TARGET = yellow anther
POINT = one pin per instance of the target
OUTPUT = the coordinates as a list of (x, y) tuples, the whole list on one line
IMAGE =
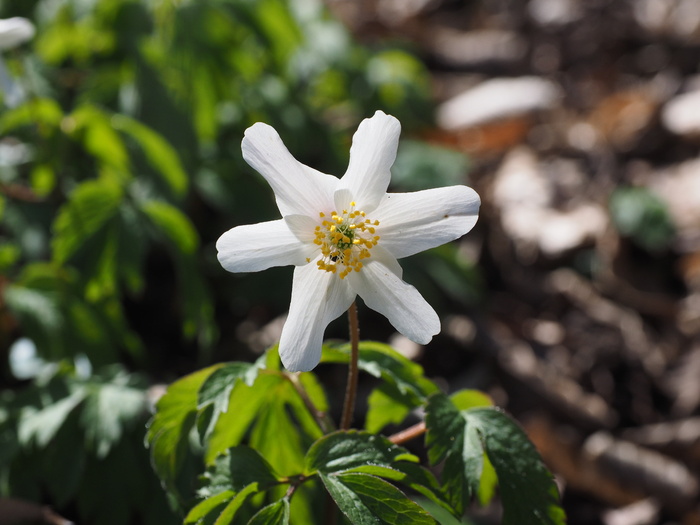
[(344, 241)]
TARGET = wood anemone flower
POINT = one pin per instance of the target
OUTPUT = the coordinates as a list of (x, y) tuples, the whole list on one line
[(344, 236)]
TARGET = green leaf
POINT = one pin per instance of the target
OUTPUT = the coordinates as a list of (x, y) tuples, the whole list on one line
[(270, 408), (367, 499), (460, 438), (234, 476), (41, 425), (466, 399), (159, 152), (274, 514), (93, 127), (386, 405), (108, 408), (236, 469), (169, 428), (528, 491), (42, 112), (173, 224), (412, 476), (232, 425), (89, 207), (344, 450), (229, 512), (382, 361), (209, 505), (217, 387)]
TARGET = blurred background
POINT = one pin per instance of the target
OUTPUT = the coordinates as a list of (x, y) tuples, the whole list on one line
[(575, 302)]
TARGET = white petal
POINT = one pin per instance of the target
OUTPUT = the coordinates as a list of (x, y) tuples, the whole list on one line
[(14, 31), (342, 199), (382, 290), (384, 256), (298, 188), (372, 153), (302, 226), (256, 247), (318, 297), (412, 222)]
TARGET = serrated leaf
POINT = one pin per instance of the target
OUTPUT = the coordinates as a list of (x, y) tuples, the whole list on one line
[(461, 438), (232, 425), (173, 224), (449, 439), (217, 387), (89, 207), (528, 491), (382, 361), (238, 468), (366, 499), (411, 475), (344, 450), (276, 513), (169, 428), (159, 152), (277, 420)]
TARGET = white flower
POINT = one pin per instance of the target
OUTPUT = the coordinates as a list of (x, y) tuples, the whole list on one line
[(14, 31), (344, 236)]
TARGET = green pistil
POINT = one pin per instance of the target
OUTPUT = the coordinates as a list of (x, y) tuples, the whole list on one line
[(347, 232)]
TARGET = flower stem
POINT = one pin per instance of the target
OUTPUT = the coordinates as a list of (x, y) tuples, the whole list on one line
[(351, 388)]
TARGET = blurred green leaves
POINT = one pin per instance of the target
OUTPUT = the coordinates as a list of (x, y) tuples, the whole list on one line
[(639, 214), (119, 171)]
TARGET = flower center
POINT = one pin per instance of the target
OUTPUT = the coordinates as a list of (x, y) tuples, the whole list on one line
[(345, 240)]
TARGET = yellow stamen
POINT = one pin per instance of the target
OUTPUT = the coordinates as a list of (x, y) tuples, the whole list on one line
[(344, 240)]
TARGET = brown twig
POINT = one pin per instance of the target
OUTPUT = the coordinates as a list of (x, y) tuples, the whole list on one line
[(408, 434)]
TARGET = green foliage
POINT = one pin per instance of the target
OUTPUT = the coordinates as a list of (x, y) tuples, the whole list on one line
[(465, 438), (265, 443), (125, 166), (642, 216), (61, 432)]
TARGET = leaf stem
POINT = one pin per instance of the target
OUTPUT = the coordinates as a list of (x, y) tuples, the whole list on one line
[(320, 416), (408, 434), (351, 388)]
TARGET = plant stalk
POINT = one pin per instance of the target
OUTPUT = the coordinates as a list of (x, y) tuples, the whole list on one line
[(351, 388)]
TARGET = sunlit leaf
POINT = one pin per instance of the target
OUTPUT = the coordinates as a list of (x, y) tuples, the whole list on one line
[(169, 428), (366, 499), (347, 450), (386, 405)]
